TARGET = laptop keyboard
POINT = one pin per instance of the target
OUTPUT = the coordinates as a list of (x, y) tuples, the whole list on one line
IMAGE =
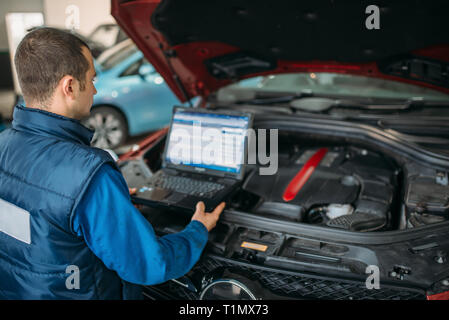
[(185, 185)]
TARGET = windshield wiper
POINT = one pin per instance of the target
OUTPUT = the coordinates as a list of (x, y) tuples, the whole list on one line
[(308, 101), (407, 105), (273, 98), (323, 104)]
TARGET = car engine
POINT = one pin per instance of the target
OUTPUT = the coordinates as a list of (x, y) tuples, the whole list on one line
[(350, 188)]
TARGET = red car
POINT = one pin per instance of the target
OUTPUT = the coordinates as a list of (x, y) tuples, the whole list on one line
[(359, 205)]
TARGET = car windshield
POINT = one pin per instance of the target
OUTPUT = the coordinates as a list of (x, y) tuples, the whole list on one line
[(117, 57), (331, 84)]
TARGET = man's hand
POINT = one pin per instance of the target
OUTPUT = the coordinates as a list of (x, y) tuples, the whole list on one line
[(208, 219)]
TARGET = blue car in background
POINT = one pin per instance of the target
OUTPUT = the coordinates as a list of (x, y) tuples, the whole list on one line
[(132, 97)]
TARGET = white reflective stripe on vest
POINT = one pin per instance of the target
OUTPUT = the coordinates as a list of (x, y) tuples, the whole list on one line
[(15, 221)]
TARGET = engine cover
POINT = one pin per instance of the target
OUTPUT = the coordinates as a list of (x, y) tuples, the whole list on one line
[(345, 177)]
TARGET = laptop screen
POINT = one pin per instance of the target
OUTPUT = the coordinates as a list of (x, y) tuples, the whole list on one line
[(207, 140)]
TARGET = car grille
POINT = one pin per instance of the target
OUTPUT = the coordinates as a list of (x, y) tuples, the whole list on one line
[(294, 285)]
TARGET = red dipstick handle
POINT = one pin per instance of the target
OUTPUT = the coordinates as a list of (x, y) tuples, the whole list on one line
[(303, 175)]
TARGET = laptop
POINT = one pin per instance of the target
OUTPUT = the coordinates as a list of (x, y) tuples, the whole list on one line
[(203, 160)]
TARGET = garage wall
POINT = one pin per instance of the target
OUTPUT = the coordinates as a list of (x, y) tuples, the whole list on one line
[(6, 7), (15, 6), (91, 13)]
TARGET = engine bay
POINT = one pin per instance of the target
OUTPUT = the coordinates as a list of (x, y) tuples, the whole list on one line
[(352, 187), (353, 199)]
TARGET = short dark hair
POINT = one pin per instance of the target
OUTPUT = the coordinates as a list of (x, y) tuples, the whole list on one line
[(44, 57)]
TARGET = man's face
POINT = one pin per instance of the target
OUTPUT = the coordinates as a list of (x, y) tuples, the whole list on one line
[(85, 97)]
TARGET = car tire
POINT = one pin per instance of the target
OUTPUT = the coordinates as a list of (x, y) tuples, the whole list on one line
[(111, 129)]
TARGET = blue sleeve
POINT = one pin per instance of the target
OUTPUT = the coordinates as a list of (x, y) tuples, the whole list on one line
[(125, 241)]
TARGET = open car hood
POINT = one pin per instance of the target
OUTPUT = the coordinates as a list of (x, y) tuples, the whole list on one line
[(200, 46)]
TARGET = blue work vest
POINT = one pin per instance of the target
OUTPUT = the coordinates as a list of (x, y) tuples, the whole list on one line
[(46, 164)]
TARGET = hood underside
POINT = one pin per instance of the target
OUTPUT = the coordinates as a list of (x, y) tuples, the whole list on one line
[(200, 46)]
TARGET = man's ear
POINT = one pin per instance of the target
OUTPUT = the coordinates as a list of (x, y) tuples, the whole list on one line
[(67, 85)]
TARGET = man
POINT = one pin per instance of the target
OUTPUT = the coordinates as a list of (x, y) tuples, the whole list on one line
[(68, 229)]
